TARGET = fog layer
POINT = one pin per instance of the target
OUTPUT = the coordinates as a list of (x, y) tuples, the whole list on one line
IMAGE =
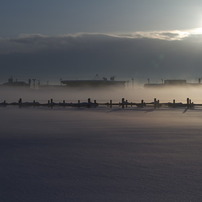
[(131, 93), (93, 155)]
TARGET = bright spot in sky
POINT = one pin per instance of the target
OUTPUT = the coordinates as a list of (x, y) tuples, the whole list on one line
[(186, 33), (197, 31)]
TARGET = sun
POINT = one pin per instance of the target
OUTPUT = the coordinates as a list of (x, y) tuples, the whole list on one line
[(197, 31)]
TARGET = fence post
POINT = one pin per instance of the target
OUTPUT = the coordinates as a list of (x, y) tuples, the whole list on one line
[(20, 101), (174, 103), (89, 103), (122, 103), (110, 105), (79, 102), (142, 103), (188, 103), (154, 103)]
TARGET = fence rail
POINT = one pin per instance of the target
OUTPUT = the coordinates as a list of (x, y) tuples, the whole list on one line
[(89, 104)]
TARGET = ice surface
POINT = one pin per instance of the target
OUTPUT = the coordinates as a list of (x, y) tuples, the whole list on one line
[(100, 155)]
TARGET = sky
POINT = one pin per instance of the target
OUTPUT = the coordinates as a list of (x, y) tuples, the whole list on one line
[(57, 17), (74, 38)]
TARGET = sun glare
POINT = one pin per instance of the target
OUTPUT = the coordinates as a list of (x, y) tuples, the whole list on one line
[(197, 31)]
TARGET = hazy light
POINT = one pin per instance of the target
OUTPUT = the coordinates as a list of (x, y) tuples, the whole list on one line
[(197, 31)]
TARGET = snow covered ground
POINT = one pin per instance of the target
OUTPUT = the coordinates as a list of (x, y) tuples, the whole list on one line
[(82, 155)]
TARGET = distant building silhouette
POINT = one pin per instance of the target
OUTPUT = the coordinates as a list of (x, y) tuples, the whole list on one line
[(94, 83), (173, 82), (15, 83)]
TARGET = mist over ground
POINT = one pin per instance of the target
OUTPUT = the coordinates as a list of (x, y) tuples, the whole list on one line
[(53, 152), (100, 155), (131, 93)]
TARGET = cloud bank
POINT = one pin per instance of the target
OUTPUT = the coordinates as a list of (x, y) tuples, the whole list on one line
[(166, 54)]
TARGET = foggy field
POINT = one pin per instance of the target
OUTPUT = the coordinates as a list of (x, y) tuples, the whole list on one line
[(77, 123), (100, 155), (132, 94)]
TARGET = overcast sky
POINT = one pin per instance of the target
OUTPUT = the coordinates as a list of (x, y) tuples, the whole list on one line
[(56, 17), (80, 38)]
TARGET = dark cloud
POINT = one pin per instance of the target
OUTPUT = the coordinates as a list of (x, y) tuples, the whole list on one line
[(84, 55)]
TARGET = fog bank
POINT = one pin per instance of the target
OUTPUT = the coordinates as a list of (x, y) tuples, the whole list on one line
[(93, 155), (131, 93)]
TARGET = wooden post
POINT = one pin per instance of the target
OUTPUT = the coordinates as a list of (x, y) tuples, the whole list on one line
[(95, 102), (89, 103), (188, 103), (158, 104), (126, 103), (142, 103), (63, 103), (110, 105), (20, 101), (122, 103), (155, 103), (79, 102), (173, 103)]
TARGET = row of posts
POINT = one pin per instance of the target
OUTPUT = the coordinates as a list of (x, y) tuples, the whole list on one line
[(124, 103)]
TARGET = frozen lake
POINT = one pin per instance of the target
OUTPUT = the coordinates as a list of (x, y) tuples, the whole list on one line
[(100, 155)]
